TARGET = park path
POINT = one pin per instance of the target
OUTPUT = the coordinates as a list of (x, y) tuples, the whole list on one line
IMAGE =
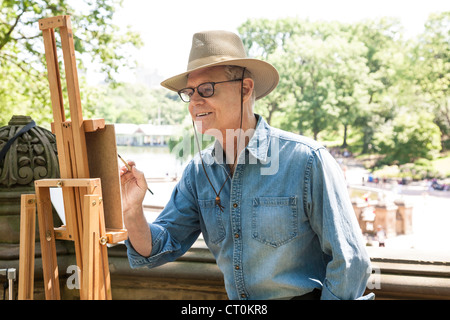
[(431, 210)]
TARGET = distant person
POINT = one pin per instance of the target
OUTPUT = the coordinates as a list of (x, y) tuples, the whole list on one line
[(272, 206), (346, 153), (381, 236)]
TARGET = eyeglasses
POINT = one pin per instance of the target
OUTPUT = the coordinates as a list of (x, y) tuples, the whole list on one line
[(205, 90)]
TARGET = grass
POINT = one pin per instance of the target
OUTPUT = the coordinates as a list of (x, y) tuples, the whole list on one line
[(442, 165), (421, 169)]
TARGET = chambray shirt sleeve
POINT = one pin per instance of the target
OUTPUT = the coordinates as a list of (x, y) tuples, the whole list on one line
[(332, 218), (173, 232)]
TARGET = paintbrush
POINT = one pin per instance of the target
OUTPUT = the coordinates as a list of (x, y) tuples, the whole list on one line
[(129, 169)]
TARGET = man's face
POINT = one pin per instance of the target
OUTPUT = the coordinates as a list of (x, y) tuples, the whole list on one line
[(222, 110)]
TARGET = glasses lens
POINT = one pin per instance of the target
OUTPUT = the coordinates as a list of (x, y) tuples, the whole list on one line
[(206, 89), (185, 94)]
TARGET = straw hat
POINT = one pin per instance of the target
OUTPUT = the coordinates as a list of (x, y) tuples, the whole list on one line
[(220, 48)]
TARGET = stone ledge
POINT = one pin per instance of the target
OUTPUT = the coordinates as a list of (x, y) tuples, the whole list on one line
[(399, 274), (403, 287)]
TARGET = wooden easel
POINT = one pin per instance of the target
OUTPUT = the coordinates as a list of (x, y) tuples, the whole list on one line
[(84, 203)]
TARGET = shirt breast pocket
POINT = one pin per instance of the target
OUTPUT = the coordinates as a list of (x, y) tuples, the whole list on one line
[(274, 220), (213, 220)]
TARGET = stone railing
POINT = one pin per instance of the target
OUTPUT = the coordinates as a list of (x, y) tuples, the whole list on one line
[(396, 274), (409, 274), (393, 215)]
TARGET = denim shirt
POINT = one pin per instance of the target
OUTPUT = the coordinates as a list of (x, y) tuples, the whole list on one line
[(288, 225)]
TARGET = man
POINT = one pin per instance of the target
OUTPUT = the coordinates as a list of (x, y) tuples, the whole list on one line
[(272, 206)]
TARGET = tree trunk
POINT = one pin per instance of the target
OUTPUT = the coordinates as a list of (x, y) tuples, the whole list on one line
[(344, 143)]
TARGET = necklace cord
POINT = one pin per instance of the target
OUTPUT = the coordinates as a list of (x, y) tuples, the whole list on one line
[(221, 207)]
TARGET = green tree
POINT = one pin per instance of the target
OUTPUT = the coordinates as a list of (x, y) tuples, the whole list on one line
[(361, 78), (23, 79), (137, 103), (262, 38), (431, 60), (410, 137), (385, 60), (306, 62), (333, 75), (322, 71)]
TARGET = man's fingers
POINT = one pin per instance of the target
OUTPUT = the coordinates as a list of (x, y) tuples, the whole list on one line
[(124, 169), (131, 163), (134, 174)]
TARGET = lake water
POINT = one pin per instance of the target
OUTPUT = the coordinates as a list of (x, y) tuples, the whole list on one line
[(155, 162)]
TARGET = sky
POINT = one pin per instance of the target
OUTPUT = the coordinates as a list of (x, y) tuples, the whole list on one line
[(166, 27)]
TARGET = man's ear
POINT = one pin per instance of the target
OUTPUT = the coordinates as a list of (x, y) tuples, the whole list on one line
[(248, 87)]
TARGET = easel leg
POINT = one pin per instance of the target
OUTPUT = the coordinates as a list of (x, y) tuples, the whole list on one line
[(105, 281), (27, 238), (91, 243), (48, 246)]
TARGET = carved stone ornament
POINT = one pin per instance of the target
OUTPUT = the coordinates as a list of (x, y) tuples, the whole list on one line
[(32, 156)]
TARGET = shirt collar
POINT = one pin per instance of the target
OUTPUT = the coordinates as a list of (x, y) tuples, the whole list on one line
[(259, 143), (258, 146)]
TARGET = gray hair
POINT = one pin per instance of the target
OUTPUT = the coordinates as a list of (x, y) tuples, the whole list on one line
[(235, 72)]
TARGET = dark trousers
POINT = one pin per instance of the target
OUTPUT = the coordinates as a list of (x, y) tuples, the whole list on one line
[(313, 295)]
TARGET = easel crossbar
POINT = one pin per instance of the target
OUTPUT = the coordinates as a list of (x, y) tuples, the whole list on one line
[(112, 236), (90, 182)]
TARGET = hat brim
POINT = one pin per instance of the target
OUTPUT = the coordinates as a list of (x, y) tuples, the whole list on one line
[(264, 75)]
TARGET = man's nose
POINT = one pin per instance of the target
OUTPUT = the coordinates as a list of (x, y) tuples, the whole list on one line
[(196, 103), (196, 96)]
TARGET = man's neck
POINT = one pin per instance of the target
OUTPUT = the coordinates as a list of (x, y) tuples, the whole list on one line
[(237, 140)]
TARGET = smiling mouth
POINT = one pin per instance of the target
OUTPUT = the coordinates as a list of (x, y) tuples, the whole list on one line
[(202, 114)]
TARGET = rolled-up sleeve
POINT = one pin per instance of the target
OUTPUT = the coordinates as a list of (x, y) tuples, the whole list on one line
[(333, 220), (173, 232)]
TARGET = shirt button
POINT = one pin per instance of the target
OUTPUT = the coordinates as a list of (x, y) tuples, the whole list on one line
[(243, 295), (236, 235), (237, 267), (235, 205)]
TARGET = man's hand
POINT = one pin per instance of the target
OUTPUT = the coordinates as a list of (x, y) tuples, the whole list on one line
[(134, 187)]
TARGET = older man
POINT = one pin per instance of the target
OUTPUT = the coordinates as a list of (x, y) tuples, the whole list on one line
[(272, 206)]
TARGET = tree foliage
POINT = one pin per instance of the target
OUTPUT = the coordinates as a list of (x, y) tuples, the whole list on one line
[(410, 136), (136, 103), (432, 61), (362, 79), (23, 79), (362, 85)]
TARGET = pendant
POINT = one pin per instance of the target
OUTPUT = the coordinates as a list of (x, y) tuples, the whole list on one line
[(219, 204)]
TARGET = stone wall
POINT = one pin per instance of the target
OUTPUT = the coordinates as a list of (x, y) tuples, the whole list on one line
[(195, 276)]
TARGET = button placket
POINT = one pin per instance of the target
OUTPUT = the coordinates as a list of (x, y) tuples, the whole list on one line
[(235, 198)]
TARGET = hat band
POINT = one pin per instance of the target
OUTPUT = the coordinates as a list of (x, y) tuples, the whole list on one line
[(209, 60)]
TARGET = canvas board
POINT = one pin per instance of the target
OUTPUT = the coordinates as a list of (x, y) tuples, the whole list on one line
[(103, 163)]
